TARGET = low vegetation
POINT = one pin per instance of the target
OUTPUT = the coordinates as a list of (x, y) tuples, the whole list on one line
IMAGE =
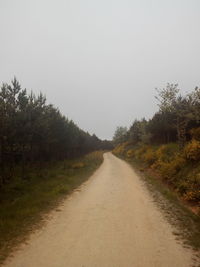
[(24, 201)]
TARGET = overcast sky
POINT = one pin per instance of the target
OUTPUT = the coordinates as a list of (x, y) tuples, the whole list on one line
[(100, 61)]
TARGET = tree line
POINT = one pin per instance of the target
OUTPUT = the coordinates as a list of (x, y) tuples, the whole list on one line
[(173, 122), (32, 131)]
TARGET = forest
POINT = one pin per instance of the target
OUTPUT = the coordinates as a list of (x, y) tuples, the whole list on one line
[(169, 142), (33, 132)]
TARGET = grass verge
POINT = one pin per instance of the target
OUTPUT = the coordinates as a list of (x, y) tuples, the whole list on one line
[(23, 203)]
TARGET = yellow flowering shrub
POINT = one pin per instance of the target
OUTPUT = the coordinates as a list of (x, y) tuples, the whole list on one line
[(192, 187), (166, 152), (192, 150), (139, 153), (118, 150), (168, 166), (161, 152), (121, 149), (150, 156), (171, 168), (130, 153), (157, 164)]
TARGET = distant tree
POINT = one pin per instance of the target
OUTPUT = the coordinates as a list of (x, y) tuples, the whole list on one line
[(120, 135), (138, 132), (174, 106), (176, 116), (162, 127), (166, 97)]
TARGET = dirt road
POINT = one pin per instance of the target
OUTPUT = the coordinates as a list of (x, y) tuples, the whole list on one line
[(110, 221)]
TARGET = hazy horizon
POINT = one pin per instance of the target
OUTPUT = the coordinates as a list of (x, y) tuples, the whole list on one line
[(99, 62)]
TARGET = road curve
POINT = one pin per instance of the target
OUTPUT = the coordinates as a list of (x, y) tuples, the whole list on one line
[(110, 221)]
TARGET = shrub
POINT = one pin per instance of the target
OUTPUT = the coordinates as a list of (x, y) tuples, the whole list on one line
[(189, 187), (183, 186), (157, 164), (130, 153), (167, 152), (193, 195), (169, 169), (192, 150), (117, 150), (150, 156), (195, 133), (121, 149), (140, 152)]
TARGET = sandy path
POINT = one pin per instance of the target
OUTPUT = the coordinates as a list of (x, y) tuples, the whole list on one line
[(111, 221)]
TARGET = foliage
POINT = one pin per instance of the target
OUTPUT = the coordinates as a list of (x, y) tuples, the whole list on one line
[(192, 196), (190, 186), (169, 142), (173, 122), (169, 169), (120, 135), (150, 156), (195, 133), (130, 153), (167, 152), (32, 131), (192, 150), (140, 152), (167, 96), (121, 149)]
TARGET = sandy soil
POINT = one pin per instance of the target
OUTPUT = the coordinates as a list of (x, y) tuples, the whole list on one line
[(110, 221)]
